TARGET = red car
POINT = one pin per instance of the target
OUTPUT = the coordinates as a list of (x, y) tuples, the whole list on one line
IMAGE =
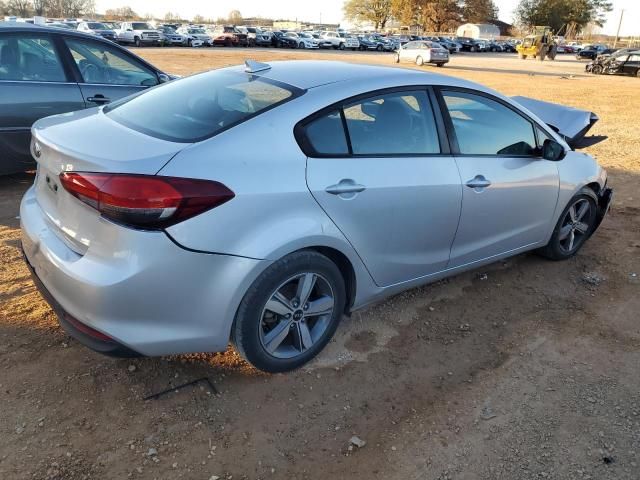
[(229, 36)]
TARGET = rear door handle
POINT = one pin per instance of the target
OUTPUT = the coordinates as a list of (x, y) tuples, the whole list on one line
[(478, 183), (99, 99), (345, 187)]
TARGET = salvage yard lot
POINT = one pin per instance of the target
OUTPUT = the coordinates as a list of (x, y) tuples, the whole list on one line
[(525, 369)]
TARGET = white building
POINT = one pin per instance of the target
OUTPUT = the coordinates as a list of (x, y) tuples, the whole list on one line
[(478, 30)]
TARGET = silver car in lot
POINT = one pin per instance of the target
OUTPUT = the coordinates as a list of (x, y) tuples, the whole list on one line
[(421, 52), (261, 204)]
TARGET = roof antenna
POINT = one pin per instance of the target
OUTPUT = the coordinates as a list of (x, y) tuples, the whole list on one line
[(255, 67)]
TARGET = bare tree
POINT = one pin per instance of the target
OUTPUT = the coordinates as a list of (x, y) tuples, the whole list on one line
[(20, 8), (40, 7)]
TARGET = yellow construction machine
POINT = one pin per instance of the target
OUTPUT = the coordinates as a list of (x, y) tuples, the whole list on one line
[(540, 44)]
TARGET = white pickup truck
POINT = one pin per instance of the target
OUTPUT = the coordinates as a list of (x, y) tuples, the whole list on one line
[(138, 33), (340, 40)]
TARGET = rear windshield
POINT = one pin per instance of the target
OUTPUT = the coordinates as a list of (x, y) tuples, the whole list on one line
[(198, 107)]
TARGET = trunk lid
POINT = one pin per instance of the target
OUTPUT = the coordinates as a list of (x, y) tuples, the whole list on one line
[(87, 141)]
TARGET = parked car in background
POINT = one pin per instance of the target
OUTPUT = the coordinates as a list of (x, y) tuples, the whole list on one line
[(256, 36), (229, 36), (593, 51), (170, 37), (340, 40), (508, 47), (470, 44), (193, 199), (387, 44), (423, 51), (453, 47), (138, 33), (370, 43), (493, 46), (280, 40), (303, 40), (97, 28), (60, 25), (48, 70), (196, 34)]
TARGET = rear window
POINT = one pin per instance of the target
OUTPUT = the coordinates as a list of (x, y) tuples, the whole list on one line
[(198, 107)]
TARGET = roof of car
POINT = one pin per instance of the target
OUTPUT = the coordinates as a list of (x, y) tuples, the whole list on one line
[(307, 74), (29, 27)]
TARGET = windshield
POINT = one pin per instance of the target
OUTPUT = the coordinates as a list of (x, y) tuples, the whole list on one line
[(304, 35), (140, 26), (196, 30), (96, 26), (198, 107)]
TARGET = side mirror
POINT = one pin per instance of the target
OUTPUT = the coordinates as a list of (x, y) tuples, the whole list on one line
[(164, 78), (552, 150)]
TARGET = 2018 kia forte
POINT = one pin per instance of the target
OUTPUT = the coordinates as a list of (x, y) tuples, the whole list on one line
[(260, 204)]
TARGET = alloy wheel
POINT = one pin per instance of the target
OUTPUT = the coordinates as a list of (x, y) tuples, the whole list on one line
[(575, 226), (296, 315)]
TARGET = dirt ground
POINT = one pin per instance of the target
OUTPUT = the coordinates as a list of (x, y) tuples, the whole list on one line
[(527, 369)]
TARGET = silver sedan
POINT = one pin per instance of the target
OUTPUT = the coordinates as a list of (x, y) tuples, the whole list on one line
[(260, 204)]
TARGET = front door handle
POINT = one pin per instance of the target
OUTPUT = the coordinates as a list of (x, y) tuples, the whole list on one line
[(99, 99), (346, 188), (478, 183)]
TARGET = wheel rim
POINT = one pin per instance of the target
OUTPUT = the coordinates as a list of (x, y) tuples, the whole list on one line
[(575, 226), (297, 315)]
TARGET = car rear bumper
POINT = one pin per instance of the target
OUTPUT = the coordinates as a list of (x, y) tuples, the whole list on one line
[(136, 291)]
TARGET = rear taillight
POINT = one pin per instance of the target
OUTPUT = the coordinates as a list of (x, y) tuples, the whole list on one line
[(145, 201)]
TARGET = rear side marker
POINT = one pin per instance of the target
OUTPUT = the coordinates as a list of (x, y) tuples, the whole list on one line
[(146, 202)]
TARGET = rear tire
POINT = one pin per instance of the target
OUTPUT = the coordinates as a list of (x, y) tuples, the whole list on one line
[(282, 281), (574, 226), (439, 64), (397, 58)]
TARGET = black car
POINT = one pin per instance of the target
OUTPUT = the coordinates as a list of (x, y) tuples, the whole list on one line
[(278, 39), (624, 62), (48, 70), (592, 52), (470, 44)]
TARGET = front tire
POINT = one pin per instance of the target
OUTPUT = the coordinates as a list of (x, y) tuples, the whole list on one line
[(290, 312), (397, 58), (574, 227), (341, 46), (137, 42), (419, 61)]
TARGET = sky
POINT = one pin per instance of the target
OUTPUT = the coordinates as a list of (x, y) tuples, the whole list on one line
[(329, 11)]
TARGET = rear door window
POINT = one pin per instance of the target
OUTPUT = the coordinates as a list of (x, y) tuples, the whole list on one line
[(29, 57), (393, 124), (198, 107)]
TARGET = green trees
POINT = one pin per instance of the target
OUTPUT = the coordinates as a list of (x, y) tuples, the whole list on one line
[(570, 14), (376, 12)]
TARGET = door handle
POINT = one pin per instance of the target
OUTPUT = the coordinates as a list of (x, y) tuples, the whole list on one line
[(99, 99), (344, 187), (478, 183)]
